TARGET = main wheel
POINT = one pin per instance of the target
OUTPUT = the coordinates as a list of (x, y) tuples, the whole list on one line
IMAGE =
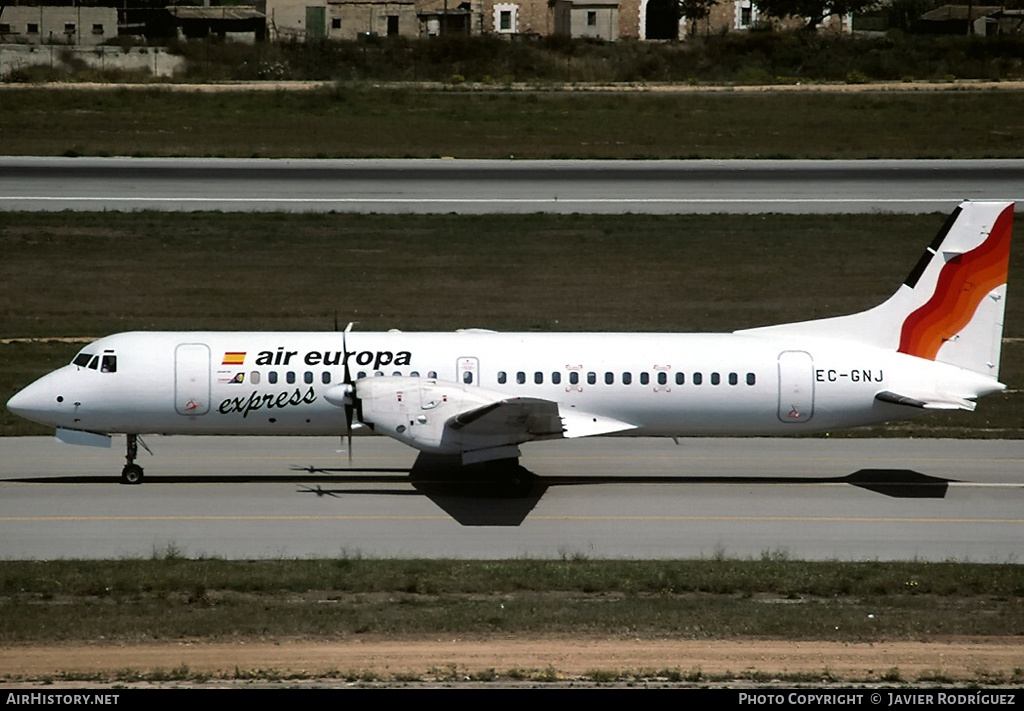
[(131, 474)]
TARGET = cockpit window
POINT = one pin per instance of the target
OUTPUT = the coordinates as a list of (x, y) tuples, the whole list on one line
[(106, 363)]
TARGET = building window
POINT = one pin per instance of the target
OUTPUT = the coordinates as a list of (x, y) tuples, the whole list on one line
[(69, 28), (745, 14), (591, 18), (506, 18), (33, 28), (5, 29), (335, 23), (97, 29)]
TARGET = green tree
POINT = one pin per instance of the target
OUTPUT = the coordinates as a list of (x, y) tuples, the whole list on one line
[(814, 11), (694, 11)]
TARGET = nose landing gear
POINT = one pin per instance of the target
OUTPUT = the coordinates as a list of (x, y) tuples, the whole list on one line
[(132, 472)]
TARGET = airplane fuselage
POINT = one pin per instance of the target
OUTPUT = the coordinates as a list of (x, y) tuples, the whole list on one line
[(662, 384)]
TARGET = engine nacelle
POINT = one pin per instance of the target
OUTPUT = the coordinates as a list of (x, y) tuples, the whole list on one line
[(417, 411)]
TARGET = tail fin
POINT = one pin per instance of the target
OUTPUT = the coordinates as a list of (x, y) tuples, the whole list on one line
[(950, 308)]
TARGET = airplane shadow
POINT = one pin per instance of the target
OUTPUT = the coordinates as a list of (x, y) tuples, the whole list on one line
[(503, 493)]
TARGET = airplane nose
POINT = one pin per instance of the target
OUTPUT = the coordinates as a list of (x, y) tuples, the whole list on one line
[(35, 402), (21, 403)]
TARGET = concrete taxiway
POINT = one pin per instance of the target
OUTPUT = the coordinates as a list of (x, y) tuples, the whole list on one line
[(505, 186), (845, 499)]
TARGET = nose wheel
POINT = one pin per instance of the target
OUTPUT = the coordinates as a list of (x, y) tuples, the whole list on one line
[(132, 472)]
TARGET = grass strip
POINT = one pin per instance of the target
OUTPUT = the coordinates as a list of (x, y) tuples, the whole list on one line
[(169, 597), (360, 121)]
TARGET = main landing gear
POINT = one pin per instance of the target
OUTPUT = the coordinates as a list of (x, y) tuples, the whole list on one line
[(132, 472)]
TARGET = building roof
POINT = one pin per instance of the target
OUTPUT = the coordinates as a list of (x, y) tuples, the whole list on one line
[(961, 12), (234, 12)]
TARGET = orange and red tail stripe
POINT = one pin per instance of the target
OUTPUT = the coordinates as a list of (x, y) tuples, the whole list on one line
[(963, 282)]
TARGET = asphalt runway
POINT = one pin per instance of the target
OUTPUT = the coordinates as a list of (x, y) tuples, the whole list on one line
[(491, 186), (243, 498)]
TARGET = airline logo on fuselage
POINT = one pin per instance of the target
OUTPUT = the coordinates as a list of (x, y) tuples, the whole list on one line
[(371, 359)]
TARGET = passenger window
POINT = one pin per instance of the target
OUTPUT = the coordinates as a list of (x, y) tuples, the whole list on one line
[(360, 375), (109, 364), (325, 377), (307, 377), (414, 374), (538, 378), (698, 378), (680, 378), (272, 377), (574, 378), (502, 377), (591, 378), (290, 377), (467, 377), (254, 377), (627, 378), (733, 379), (716, 378), (397, 374), (609, 378), (521, 377), (751, 379), (432, 374), (662, 378), (645, 378), (556, 378)]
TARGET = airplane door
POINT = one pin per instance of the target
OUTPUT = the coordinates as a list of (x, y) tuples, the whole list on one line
[(192, 379), (468, 371), (796, 386)]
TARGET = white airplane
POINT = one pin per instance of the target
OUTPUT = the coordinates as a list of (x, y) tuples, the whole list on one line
[(479, 394)]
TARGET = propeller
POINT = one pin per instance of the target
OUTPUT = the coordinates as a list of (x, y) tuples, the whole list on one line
[(350, 386)]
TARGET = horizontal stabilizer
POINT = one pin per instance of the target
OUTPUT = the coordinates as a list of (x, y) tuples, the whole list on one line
[(949, 403)]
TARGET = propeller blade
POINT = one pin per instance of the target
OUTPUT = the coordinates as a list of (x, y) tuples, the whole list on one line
[(351, 386)]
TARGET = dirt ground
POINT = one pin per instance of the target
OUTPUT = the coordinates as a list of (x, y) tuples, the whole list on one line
[(987, 660)]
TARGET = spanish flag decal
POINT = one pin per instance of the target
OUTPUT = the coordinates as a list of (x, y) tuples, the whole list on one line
[(234, 358)]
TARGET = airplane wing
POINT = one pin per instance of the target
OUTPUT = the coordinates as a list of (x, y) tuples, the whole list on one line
[(453, 418), (534, 418)]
